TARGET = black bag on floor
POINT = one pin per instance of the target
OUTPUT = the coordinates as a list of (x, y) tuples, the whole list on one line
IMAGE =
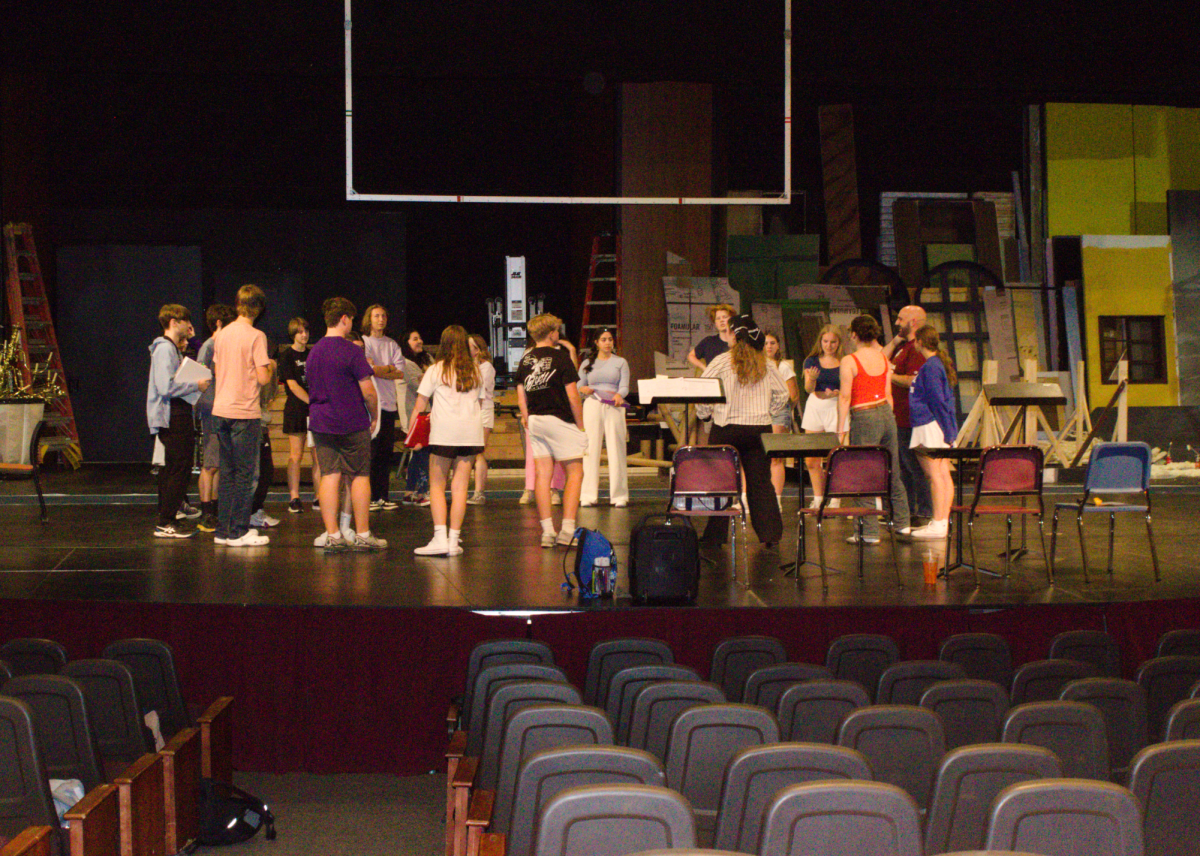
[(229, 815), (664, 560)]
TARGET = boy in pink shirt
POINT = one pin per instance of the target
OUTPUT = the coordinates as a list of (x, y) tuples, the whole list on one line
[(241, 366)]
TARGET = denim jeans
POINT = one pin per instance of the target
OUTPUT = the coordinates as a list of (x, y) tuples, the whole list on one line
[(916, 486), (239, 440), (877, 427)]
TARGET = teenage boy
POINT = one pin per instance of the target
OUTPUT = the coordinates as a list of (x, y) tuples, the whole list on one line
[(169, 415), (217, 316), (343, 409), (552, 415), (242, 367)]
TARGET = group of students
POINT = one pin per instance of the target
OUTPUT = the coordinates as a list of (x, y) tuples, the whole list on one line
[(341, 403), (853, 381)]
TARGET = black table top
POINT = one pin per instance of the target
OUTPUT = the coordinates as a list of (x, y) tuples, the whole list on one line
[(786, 445), (1017, 394)]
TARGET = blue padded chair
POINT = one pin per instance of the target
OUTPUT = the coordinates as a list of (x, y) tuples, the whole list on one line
[(1115, 469)]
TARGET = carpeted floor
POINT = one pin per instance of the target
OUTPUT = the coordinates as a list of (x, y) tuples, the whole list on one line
[(355, 815)]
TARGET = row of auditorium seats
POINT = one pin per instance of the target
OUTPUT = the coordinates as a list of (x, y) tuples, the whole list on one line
[(1091, 727), (85, 720)]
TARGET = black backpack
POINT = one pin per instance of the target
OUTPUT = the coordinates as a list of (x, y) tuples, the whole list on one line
[(229, 815)]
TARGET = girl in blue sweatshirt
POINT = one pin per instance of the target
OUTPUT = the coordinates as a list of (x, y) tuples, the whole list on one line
[(934, 426)]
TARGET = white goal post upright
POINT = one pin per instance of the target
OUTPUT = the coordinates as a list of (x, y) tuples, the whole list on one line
[(785, 198)]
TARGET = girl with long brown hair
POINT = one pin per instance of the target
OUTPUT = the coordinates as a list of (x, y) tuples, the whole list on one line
[(935, 426), (454, 387)]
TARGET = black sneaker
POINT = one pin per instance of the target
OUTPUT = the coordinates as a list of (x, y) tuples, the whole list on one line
[(294, 507), (179, 529), (208, 523)]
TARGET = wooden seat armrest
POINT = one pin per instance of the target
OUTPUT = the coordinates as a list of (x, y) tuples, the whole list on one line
[(480, 812), (93, 798), (464, 776), (32, 840), (492, 844), (452, 717), (457, 745), (215, 710)]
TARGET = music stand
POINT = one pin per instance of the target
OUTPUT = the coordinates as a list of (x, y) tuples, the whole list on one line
[(816, 444), (958, 454), (671, 391)]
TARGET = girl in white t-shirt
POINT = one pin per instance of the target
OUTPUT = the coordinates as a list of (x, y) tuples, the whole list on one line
[(781, 423), (454, 388)]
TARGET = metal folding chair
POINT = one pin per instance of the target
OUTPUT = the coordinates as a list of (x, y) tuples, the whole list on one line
[(855, 472), (708, 481), (1011, 472), (1114, 469)]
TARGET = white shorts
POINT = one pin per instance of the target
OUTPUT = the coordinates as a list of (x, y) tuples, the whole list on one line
[(488, 416), (928, 435), (550, 437), (820, 414)]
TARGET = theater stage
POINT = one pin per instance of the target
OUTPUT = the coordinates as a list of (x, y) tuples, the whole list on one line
[(343, 663)]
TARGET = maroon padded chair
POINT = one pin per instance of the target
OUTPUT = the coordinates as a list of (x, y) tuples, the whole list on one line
[(1008, 472), (706, 481), (854, 472)]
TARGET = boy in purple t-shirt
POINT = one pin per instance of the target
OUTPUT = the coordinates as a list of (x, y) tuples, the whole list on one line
[(342, 411)]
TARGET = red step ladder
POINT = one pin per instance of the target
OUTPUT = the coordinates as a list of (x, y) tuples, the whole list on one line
[(29, 315), (603, 289)]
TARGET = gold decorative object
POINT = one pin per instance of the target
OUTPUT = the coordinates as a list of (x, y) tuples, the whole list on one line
[(44, 381)]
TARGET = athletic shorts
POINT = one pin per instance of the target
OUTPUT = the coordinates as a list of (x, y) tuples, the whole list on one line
[(349, 454), (820, 414), (453, 452), (295, 419), (551, 437), (210, 451)]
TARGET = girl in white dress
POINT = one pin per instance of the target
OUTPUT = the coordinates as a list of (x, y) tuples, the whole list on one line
[(781, 423), (487, 412)]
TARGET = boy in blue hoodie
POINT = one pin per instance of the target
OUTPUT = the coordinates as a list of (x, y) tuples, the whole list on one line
[(169, 414)]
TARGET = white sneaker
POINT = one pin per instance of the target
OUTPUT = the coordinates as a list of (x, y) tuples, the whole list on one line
[(187, 511), (261, 520), (348, 534), (367, 542), (587, 503), (620, 503), (564, 538), (556, 497), (477, 498), (834, 503), (549, 539), (526, 498), (436, 547), (815, 502), (321, 539), (250, 539), (934, 530)]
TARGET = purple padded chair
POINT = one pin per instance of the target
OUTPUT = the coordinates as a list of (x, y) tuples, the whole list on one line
[(855, 472), (709, 481)]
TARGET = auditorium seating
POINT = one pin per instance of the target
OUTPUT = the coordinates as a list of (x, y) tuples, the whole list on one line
[(944, 754), (612, 656), (47, 728)]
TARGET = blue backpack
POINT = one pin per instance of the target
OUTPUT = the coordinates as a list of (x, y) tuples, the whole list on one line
[(594, 579)]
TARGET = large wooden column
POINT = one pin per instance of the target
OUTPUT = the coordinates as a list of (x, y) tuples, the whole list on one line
[(666, 150)]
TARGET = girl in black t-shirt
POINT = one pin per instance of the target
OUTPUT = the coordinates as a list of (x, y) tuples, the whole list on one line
[(295, 409)]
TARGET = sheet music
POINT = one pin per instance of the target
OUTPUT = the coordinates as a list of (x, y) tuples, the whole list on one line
[(190, 371), (678, 387)]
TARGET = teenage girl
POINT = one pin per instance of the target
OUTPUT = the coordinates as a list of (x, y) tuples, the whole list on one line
[(487, 411), (822, 380), (935, 426), (781, 423)]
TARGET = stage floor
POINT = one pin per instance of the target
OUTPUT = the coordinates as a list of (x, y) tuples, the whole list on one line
[(98, 546)]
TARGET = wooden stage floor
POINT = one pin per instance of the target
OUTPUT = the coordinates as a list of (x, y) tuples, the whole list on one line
[(98, 546)]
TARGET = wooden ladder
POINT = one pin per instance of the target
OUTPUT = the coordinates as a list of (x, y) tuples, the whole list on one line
[(603, 289), (29, 314)]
